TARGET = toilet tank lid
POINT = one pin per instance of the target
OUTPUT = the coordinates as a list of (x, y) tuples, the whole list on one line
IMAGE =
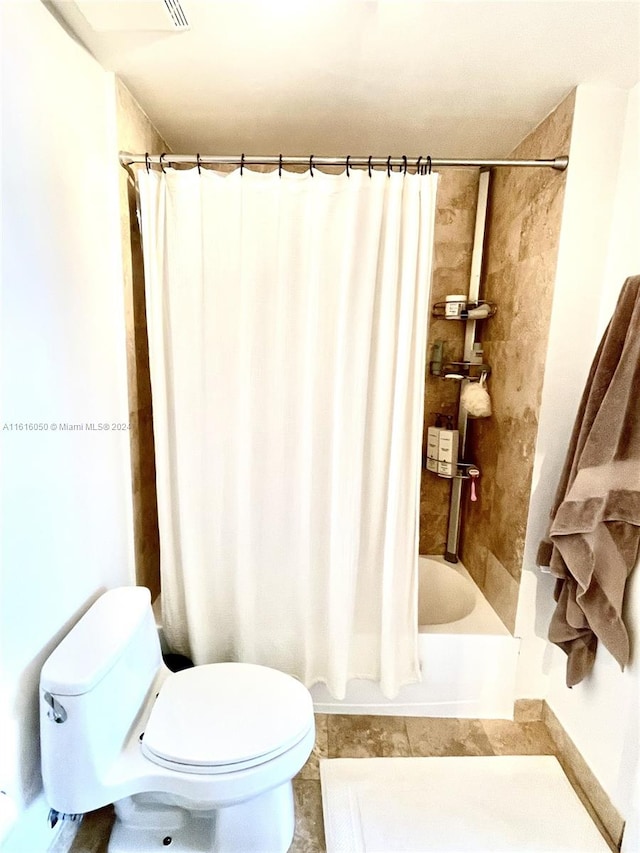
[(96, 642)]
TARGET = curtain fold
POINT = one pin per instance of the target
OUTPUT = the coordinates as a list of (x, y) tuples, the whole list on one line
[(287, 323)]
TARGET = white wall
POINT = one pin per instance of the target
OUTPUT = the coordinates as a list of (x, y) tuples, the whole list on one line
[(599, 248), (67, 532)]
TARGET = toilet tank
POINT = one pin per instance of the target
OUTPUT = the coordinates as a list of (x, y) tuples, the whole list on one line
[(92, 688)]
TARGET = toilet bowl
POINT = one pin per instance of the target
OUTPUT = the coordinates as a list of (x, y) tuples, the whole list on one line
[(200, 759)]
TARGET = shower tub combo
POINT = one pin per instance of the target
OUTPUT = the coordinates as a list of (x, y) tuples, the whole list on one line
[(467, 656)]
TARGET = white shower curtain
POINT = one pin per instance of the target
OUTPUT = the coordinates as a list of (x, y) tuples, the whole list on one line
[(287, 325)]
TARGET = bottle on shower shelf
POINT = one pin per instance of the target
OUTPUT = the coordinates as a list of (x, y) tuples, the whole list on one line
[(448, 441), (433, 441)]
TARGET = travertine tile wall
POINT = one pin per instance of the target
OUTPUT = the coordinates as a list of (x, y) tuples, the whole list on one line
[(137, 134), (453, 243), (518, 274)]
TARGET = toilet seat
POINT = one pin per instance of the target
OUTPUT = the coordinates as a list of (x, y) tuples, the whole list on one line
[(224, 717)]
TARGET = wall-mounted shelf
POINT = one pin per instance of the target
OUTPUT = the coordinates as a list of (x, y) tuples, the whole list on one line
[(462, 313), (459, 370)]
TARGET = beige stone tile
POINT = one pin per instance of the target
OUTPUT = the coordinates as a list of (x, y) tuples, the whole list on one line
[(355, 736), (434, 514), (456, 225), (445, 280), (309, 831), (311, 770), (499, 288), (93, 835), (518, 275), (528, 710), (583, 779), (509, 501), (457, 188), (136, 133), (618, 828), (541, 219), (504, 228), (552, 134), (474, 558), (429, 736), (501, 591), (511, 738), (453, 254), (514, 390)]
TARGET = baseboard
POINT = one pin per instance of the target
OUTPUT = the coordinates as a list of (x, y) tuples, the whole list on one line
[(583, 779), (594, 797), (528, 710)]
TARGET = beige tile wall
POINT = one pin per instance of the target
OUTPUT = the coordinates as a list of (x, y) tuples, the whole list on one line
[(453, 242), (521, 247), (137, 134)]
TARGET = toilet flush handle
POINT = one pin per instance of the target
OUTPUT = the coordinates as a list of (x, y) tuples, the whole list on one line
[(57, 712)]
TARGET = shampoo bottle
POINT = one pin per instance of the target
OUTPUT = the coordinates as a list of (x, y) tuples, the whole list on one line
[(448, 451), (433, 442)]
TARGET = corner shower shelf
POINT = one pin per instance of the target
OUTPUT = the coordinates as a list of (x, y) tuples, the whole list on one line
[(459, 370), (439, 309)]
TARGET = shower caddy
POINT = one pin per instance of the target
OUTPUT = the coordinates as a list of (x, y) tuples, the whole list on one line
[(470, 369)]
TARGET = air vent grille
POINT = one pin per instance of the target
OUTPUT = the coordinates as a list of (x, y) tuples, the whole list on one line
[(177, 15), (132, 15)]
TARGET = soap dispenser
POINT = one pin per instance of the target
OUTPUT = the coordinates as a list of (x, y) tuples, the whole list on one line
[(448, 440), (433, 442)]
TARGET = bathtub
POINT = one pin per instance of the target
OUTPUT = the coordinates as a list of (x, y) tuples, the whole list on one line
[(467, 656)]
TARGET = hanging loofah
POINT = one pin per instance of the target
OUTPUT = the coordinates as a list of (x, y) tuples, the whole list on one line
[(475, 399)]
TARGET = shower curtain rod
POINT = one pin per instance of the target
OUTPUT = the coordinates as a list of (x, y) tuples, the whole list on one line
[(127, 159)]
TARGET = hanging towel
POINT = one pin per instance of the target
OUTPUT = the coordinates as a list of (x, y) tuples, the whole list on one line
[(595, 521)]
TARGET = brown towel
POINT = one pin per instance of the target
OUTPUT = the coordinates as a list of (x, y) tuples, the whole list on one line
[(595, 527)]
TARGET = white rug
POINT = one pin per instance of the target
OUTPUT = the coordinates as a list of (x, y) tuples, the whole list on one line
[(492, 804)]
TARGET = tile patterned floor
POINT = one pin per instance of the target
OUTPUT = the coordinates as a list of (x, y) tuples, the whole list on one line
[(352, 736)]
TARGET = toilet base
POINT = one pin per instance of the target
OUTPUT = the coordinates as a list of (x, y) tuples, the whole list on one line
[(263, 824)]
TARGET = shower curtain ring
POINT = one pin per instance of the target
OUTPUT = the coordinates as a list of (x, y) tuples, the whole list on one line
[(241, 164), (164, 171), (404, 157), (369, 167), (389, 166), (311, 165), (146, 161), (418, 172), (348, 158), (428, 165), (198, 164), (280, 167)]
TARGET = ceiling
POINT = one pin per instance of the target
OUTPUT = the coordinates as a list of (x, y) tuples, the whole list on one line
[(448, 78)]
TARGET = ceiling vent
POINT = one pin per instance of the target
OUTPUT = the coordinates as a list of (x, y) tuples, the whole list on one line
[(177, 15), (134, 15)]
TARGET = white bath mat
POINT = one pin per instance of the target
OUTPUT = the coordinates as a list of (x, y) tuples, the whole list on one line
[(485, 804)]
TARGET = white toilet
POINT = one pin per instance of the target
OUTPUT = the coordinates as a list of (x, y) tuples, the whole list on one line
[(199, 760)]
